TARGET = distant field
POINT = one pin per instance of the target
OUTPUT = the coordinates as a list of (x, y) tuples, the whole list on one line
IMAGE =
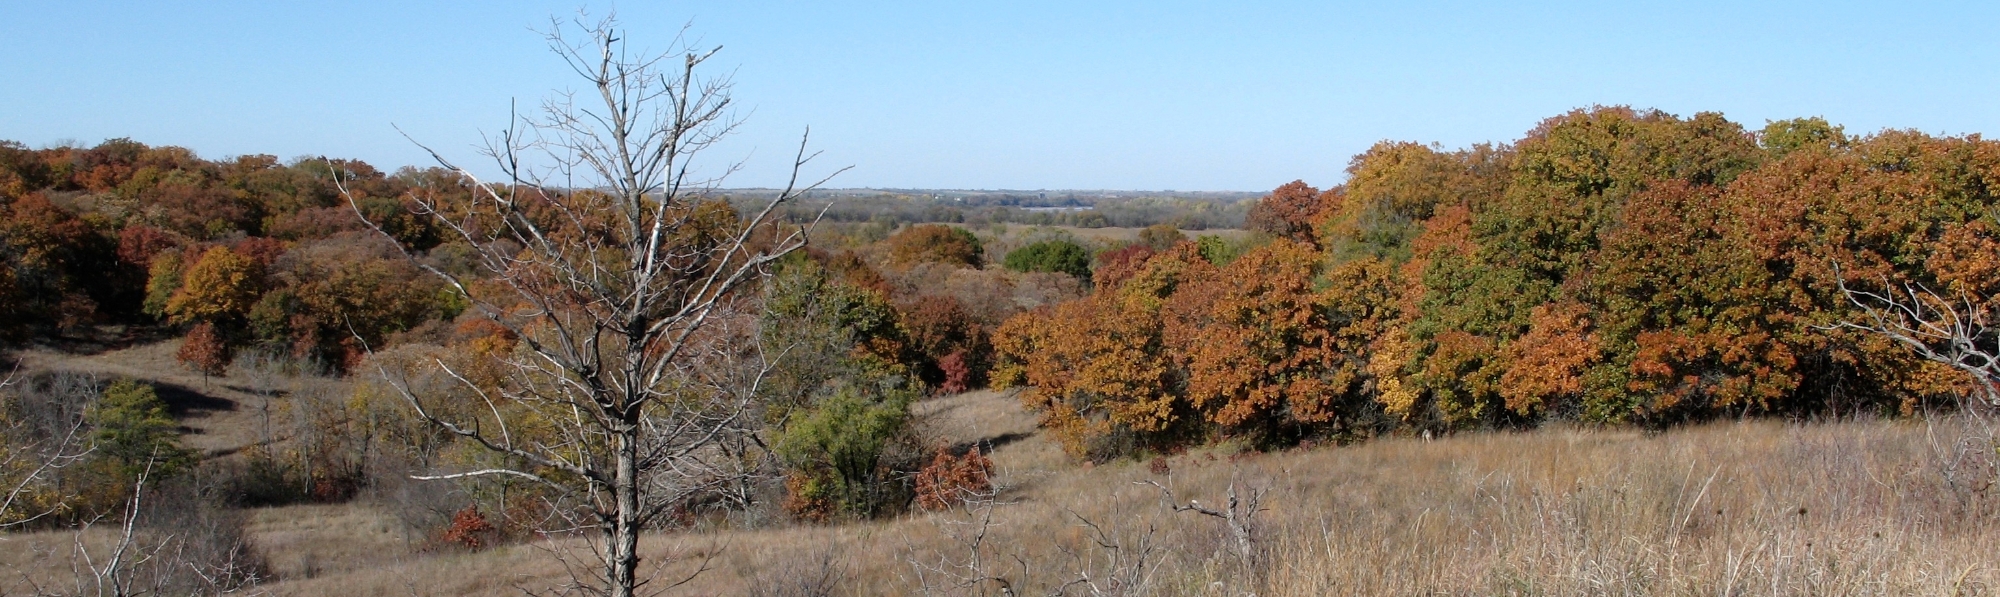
[(1123, 234)]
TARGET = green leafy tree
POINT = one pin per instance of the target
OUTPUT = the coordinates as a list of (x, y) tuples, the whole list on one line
[(1781, 137), (164, 278), (1057, 256), (838, 445)]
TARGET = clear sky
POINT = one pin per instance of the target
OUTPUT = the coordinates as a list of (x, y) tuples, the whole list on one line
[(1017, 94)]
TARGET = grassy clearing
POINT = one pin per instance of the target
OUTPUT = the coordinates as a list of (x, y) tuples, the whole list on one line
[(219, 414)]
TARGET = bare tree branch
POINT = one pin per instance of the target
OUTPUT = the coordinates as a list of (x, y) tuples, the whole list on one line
[(601, 251)]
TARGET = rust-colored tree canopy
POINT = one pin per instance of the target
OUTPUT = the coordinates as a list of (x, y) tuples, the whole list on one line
[(1613, 266)]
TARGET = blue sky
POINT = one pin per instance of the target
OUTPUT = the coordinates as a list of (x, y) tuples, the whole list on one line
[(1020, 95)]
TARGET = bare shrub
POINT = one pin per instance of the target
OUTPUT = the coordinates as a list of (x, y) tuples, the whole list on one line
[(818, 573), (43, 433), (203, 542)]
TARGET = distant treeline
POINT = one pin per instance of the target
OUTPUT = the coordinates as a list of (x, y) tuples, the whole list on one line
[(1187, 211)]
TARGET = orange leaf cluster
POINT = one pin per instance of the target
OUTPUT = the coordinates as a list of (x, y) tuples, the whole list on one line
[(470, 529), (947, 481)]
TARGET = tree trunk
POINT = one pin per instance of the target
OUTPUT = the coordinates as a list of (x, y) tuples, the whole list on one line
[(625, 519)]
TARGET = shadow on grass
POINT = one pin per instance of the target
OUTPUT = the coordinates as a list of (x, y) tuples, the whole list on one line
[(988, 445), (102, 339), (185, 402)]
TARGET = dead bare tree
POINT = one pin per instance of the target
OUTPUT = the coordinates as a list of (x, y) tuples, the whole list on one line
[(1954, 331), (599, 252), (1239, 513), (1957, 332)]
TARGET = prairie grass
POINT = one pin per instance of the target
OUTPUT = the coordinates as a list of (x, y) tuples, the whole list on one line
[(1732, 508), (1856, 507)]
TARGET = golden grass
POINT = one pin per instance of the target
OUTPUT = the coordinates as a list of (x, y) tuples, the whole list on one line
[(225, 415), (1738, 508), (307, 541)]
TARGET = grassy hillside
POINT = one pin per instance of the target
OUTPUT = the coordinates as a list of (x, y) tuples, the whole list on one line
[(1763, 507)]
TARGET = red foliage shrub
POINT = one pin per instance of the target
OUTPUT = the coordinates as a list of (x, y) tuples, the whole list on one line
[(1290, 211), (957, 376), (807, 498), (262, 250), (939, 326), (1115, 267), (948, 481), (470, 529), (138, 243), (204, 351)]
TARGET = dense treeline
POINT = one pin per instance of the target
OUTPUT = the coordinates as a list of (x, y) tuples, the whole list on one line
[(1613, 266), (266, 270), (246, 251)]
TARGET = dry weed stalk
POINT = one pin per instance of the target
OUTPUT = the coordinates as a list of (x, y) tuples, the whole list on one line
[(1238, 513), (139, 562), (1108, 562)]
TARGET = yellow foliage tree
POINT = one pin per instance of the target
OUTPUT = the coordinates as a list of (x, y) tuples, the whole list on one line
[(220, 285)]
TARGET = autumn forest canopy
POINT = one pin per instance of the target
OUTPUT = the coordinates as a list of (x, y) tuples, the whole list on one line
[(1612, 266)]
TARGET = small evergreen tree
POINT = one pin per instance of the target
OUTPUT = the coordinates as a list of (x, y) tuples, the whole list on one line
[(135, 435)]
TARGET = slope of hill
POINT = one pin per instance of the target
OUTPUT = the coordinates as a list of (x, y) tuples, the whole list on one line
[(1762, 507)]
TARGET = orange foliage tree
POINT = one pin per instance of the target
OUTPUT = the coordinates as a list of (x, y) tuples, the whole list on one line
[(936, 243), (1263, 347), (204, 351), (1290, 211), (220, 286), (1616, 265)]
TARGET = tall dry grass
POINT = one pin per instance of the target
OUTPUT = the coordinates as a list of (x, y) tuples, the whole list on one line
[(1885, 507), (1736, 508)]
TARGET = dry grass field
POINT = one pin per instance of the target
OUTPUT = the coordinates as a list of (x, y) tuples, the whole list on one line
[(1003, 238), (217, 414), (1871, 507)]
